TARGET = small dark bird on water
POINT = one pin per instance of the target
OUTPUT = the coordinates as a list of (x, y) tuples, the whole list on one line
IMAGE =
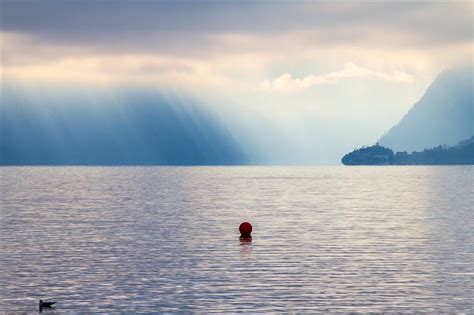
[(43, 304)]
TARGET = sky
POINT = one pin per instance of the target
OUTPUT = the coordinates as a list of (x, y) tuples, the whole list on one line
[(329, 75)]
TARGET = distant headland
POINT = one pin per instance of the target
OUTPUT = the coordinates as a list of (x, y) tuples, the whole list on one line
[(437, 130), (460, 154)]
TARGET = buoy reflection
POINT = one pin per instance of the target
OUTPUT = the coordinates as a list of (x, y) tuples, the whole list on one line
[(245, 246)]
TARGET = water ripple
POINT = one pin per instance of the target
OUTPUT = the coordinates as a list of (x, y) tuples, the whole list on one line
[(165, 239)]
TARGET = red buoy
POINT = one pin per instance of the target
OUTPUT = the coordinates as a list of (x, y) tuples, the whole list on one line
[(245, 229)]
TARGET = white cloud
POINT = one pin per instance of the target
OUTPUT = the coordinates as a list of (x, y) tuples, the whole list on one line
[(287, 83)]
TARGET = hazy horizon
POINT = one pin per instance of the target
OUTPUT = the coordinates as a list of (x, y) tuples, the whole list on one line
[(287, 83)]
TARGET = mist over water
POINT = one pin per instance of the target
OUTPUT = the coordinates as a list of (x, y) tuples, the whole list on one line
[(157, 239), (128, 126), (54, 124)]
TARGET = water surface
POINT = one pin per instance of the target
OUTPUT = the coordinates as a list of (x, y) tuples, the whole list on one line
[(165, 239)]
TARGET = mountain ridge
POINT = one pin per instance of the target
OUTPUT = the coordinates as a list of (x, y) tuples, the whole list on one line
[(133, 127), (443, 115)]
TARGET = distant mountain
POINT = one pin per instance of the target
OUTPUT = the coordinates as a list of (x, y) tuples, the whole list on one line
[(444, 115), (138, 127), (460, 154)]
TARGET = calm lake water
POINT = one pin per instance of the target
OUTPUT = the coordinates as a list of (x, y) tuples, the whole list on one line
[(165, 239)]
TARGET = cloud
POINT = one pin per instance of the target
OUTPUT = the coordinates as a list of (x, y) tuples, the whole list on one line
[(231, 54), (191, 28), (287, 83), (237, 44), (231, 42)]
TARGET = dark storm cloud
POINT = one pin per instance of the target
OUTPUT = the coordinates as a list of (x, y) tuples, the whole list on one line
[(180, 26)]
